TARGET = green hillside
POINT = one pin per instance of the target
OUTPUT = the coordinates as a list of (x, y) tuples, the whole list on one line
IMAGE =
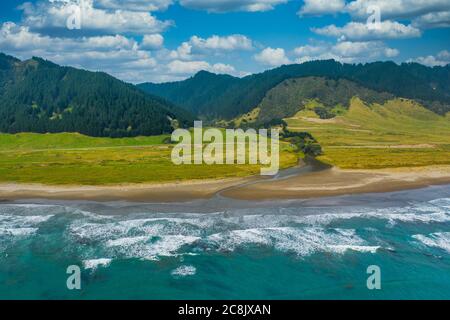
[(224, 97), (40, 96), (330, 96), (398, 133)]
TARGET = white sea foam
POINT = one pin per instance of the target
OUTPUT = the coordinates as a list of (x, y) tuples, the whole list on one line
[(17, 232), (93, 264), (138, 238), (167, 246), (423, 214), (439, 240), (443, 202), (184, 271), (302, 242), (288, 231), (125, 242), (20, 225)]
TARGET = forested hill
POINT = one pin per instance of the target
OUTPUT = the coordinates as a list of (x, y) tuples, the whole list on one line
[(220, 96), (39, 96)]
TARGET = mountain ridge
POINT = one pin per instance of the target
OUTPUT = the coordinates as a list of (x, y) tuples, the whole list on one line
[(227, 97)]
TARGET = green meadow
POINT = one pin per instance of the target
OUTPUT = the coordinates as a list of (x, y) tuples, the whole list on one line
[(400, 133), (74, 159)]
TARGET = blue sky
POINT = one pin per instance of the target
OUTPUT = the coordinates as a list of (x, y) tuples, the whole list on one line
[(167, 40)]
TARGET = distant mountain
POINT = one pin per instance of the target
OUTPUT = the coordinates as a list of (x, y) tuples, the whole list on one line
[(39, 96), (220, 96)]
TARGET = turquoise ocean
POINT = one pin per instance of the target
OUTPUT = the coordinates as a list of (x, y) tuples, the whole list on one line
[(226, 249)]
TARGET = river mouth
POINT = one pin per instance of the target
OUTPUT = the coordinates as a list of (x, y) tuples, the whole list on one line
[(307, 165)]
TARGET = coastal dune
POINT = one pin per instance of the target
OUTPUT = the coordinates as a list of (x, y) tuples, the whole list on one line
[(329, 182)]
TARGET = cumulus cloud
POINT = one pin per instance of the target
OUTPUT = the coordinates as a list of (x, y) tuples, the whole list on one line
[(441, 59), (232, 5), (227, 43), (397, 8), (152, 42), (44, 15), (321, 7), (421, 13), (135, 5), (197, 46), (346, 51), (433, 20), (272, 57), (190, 67), (117, 55), (361, 31)]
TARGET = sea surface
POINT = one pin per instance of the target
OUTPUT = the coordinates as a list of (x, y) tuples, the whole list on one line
[(226, 249)]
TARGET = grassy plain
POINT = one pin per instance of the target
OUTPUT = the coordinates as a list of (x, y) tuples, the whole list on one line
[(74, 159), (400, 133)]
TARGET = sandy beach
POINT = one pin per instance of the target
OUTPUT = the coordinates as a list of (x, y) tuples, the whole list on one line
[(335, 182), (329, 182)]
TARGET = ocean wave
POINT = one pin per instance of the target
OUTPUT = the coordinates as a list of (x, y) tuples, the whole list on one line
[(17, 232), (439, 240), (443, 202), (93, 264), (423, 214), (19, 225), (301, 241), (184, 271), (154, 248), (155, 235)]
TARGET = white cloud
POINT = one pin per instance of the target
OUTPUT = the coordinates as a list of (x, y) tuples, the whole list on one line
[(421, 13), (232, 5), (321, 7), (196, 46), (152, 42), (183, 52), (433, 20), (371, 49), (272, 57), (135, 5), (117, 55), (45, 14), (346, 51), (441, 59), (361, 31), (397, 8), (191, 67), (227, 43)]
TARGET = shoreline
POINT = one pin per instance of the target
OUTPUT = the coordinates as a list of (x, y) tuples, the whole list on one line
[(309, 185)]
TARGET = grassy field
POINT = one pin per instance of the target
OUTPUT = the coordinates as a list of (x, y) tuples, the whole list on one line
[(74, 159), (400, 133)]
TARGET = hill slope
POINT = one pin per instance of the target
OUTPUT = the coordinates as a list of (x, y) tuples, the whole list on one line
[(40, 96), (326, 97), (397, 133), (219, 96)]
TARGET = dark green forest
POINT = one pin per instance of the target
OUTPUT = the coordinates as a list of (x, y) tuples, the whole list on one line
[(219, 96), (40, 96)]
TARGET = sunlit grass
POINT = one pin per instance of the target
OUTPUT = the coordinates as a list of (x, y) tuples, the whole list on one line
[(62, 159), (397, 134)]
